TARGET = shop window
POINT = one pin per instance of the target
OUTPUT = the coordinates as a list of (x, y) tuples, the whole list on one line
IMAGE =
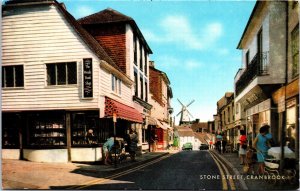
[(12, 76), (85, 128), (47, 129), (10, 130), (295, 51), (62, 73)]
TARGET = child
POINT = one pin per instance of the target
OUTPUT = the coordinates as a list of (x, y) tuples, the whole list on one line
[(248, 167)]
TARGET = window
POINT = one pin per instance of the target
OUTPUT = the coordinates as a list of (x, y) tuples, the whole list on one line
[(295, 51), (13, 76), (116, 84), (247, 58), (136, 83), (142, 88), (47, 129), (141, 56), (146, 91), (10, 130), (135, 50), (62, 73), (146, 63), (85, 129)]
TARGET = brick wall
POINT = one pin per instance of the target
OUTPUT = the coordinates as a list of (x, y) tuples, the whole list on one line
[(156, 85), (112, 38)]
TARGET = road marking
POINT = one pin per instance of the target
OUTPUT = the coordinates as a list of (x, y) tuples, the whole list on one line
[(231, 183), (111, 177), (224, 182)]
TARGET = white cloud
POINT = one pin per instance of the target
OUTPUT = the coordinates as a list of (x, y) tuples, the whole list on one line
[(192, 64), (83, 10), (178, 30)]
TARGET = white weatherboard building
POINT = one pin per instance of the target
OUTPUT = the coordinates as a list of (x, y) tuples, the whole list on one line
[(59, 87)]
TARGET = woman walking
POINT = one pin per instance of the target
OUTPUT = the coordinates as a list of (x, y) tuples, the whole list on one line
[(243, 147)]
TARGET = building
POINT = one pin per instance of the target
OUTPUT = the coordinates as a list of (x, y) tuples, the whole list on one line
[(225, 108), (160, 98), (200, 127), (287, 97), (263, 72), (121, 38), (59, 87), (186, 135)]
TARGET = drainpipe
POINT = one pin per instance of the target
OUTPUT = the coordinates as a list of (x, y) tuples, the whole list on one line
[(283, 122)]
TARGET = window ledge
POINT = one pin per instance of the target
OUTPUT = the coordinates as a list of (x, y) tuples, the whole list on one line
[(13, 88), (61, 86), (116, 94)]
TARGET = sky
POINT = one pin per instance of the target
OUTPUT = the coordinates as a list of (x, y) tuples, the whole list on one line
[(194, 42)]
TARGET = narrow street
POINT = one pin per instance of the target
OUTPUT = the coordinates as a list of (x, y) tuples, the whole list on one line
[(184, 170)]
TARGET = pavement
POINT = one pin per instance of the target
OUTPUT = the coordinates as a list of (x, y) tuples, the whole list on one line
[(20, 174), (251, 181)]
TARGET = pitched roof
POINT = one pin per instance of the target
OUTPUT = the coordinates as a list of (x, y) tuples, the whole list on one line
[(186, 133), (86, 37), (196, 126), (109, 15)]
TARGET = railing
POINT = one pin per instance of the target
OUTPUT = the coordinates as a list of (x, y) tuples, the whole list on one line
[(257, 67)]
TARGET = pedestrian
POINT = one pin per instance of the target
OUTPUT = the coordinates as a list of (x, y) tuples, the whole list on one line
[(210, 144), (132, 140), (261, 144), (107, 146), (218, 142), (243, 147), (224, 143)]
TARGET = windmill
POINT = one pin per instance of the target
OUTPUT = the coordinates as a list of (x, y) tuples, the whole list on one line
[(185, 114)]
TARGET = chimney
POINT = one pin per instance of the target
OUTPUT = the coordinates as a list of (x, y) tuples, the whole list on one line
[(151, 64)]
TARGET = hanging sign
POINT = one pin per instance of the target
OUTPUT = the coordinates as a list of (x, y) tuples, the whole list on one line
[(87, 76)]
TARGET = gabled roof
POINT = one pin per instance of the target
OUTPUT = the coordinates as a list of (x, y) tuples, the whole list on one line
[(86, 37), (109, 15)]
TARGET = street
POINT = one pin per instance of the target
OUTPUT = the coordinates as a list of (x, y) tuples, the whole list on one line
[(185, 170)]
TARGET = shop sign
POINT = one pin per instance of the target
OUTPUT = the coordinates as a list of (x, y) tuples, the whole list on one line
[(87, 78)]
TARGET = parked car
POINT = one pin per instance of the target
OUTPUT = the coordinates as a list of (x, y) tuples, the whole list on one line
[(203, 146), (187, 146)]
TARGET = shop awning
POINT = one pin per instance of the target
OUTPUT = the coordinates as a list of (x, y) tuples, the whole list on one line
[(167, 126), (122, 111), (160, 124), (151, 121)]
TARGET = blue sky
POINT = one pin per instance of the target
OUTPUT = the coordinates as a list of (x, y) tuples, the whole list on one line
[(194, 42)]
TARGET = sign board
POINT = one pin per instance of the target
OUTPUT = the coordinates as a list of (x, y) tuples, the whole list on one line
[(87, 76)]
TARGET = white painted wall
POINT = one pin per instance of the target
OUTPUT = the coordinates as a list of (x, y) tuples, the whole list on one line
[(86, 154), (11, 154), (46, 155), (48, 38)]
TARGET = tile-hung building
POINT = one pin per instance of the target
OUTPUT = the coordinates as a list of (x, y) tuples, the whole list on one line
[(57, 81), (160, 98), (263, 46), (226, 113), (287, 97), (121, 38)]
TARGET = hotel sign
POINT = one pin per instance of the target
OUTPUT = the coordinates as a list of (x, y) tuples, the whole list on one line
[(87, 76)]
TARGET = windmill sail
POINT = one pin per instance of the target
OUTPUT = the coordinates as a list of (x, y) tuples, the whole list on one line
[(185, 114)]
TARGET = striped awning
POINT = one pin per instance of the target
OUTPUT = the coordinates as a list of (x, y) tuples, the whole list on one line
[(122, 111)]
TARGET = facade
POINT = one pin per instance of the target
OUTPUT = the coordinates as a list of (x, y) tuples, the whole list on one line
[(263, 69), (59, 87), (287, 97), (160, 99), (121, 38), (200, 127), (226, 114), (186, 135)]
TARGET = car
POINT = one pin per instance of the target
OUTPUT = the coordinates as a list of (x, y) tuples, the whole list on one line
[(203, 147), (187, 146)]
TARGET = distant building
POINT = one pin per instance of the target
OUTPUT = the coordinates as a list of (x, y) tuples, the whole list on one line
[(186, 135)]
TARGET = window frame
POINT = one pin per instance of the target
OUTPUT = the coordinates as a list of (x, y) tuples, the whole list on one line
[(67, 66), (116, 85), (15, 76)]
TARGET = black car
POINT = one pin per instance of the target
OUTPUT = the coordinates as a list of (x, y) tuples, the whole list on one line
[(203, 147)]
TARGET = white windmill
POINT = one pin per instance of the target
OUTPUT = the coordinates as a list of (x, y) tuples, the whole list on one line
[(185, 114)]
